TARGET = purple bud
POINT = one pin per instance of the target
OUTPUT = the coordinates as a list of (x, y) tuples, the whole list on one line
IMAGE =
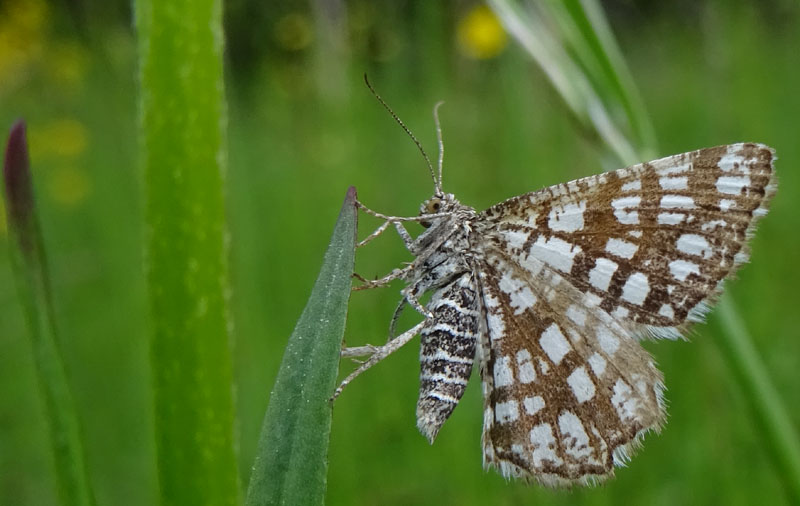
[(19, 190)]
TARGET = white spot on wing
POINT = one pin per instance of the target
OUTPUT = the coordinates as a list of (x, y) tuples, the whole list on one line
[(516, 238), (680, 269), (519, 451), (730, 161), (591, 300), (503, 375), (670, 218), (556, 252), (544, 445), (620, 248), (620, 209), (600, 275), (632, 186), (636, 289), (693, 244), (577, 315), (554, 343), (494, 319), (518, 291), (608, 341), (711, 225), (598, 364), (527, 374), (575, 440), (674, 183), (543, 366), (732, 185), (620, 312), (674, 169), (677, 202), (533, 404), (505, 412), (568, 218), (623, 401), (581, 384), (725, 205)]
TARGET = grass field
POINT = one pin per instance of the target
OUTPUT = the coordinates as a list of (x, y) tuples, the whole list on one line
[(302, 128)]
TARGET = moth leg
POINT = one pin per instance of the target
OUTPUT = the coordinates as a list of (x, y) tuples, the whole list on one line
[(395, 274), (395, 317), (374, 234), (377, 214), (411, 297), (376, 354), (401, 231), (393, 219), (404, 235)]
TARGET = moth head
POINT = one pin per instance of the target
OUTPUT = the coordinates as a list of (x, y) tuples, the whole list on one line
[(441, 203)]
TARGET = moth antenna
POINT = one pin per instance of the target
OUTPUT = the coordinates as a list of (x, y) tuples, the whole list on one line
[(441, 144), (405, 128)]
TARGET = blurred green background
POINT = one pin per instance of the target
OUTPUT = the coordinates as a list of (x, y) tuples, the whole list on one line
[(302, 127)]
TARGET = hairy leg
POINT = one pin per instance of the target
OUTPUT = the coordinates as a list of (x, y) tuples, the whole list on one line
[(376, 354)]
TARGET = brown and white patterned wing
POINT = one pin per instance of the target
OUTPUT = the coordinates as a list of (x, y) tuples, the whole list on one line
[(653, 241), (568, 392)]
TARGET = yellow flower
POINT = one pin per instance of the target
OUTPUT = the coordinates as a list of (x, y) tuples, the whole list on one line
[(59, 138), (68, 185), (22, 39), (62, 142), (480, 34)]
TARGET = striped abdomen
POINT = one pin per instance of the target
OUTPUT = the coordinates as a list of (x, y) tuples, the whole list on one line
[(447, 352)]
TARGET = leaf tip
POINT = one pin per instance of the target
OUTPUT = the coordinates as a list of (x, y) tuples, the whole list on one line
[(351, 195)]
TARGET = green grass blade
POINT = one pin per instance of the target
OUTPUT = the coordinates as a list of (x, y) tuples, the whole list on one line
[(183, 119), (291, 461), (768, 409), (536, 35), (33, 286), (610, 55), (597, 50)]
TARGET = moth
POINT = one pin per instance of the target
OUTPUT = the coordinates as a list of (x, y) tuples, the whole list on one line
[(549, 294)]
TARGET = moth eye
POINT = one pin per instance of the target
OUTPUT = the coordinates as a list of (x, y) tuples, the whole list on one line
[(433, 206)]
